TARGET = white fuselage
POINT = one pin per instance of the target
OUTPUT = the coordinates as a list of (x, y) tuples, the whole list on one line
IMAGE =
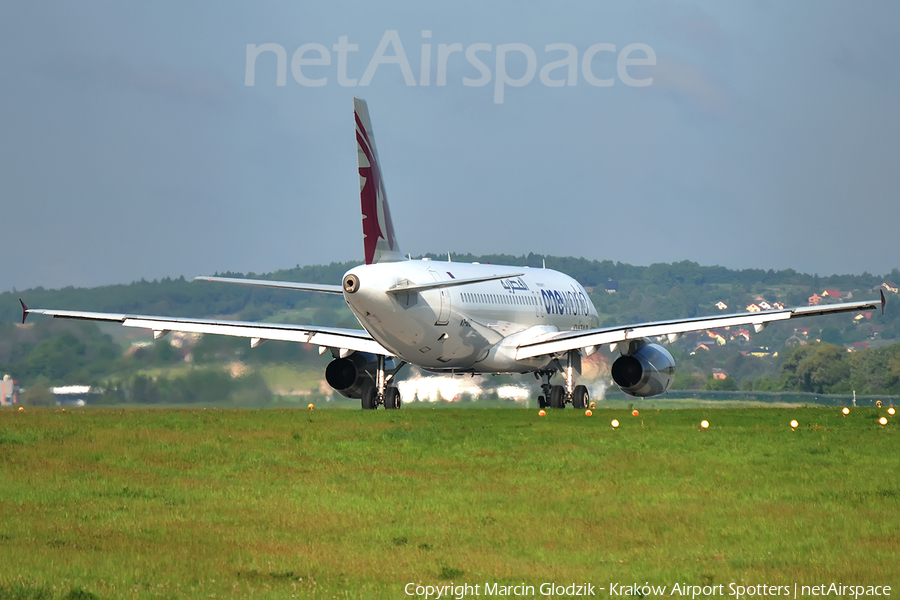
[(474, 327)]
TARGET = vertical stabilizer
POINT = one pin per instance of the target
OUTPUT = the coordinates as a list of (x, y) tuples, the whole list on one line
[(378, 230)]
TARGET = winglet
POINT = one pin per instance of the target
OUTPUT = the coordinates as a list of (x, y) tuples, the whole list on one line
[(25, 309), (883, 301)]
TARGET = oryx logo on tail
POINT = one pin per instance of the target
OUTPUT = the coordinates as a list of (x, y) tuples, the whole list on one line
[(378, 230)]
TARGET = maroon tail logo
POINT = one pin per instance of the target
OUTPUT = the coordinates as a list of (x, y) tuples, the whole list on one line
[(378, 229)]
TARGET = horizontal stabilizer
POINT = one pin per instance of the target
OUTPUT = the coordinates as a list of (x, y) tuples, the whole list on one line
[(405, 287), (288, 285)]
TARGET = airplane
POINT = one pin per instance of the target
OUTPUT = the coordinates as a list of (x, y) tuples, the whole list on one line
[(459, 318)]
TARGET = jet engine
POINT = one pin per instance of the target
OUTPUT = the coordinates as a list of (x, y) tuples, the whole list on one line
[(351, 375), (645, 369)]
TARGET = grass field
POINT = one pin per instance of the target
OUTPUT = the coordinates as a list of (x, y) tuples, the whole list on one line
[(132, 503)]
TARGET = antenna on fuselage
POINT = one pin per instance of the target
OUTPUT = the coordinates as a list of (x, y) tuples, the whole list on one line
[(544, 262), (448, 258)]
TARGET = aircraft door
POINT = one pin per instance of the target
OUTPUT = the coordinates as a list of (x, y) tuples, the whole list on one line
[(444, 312)]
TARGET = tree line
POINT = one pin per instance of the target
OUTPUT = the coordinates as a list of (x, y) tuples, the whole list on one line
[(61, 352)]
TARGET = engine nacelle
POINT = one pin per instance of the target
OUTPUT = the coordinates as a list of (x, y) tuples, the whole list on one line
[(648, 370), (351, 375)]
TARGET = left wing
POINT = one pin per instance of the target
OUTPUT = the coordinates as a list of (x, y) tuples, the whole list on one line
[(345, 340), (572, 340)]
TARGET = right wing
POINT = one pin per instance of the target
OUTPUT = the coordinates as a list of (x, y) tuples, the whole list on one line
[(563, 341), (345, 340)]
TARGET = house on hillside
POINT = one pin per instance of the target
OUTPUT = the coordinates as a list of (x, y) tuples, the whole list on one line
[(815, 299), (718, 373), (742, 334), (760, 352), (612, 287), (721, 305), (754, 308), (699, 348), (832, 294), (889, 286), (718, 337), (794, 340)]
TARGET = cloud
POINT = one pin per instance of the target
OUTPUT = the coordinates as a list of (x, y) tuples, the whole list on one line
[(693, 85), (691, 26), (190, 86)]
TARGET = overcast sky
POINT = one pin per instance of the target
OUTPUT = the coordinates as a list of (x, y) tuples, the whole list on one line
[(132, 146)]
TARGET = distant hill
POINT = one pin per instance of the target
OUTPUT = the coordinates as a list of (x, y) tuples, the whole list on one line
[(623, 294), (700, 284)]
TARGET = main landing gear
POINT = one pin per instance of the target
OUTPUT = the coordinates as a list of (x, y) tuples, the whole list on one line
[(557, 396), (390, 399), (380, 392)]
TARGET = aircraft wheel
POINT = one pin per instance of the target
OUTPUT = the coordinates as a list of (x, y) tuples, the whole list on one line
[(542, 403), (368, 398), (557, 397), (391, 398), (580, 397)]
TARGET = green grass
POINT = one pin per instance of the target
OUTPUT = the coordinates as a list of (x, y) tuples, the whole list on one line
[(112, 503)]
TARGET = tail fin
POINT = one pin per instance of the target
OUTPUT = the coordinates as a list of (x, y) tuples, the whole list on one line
[(378, 230)]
